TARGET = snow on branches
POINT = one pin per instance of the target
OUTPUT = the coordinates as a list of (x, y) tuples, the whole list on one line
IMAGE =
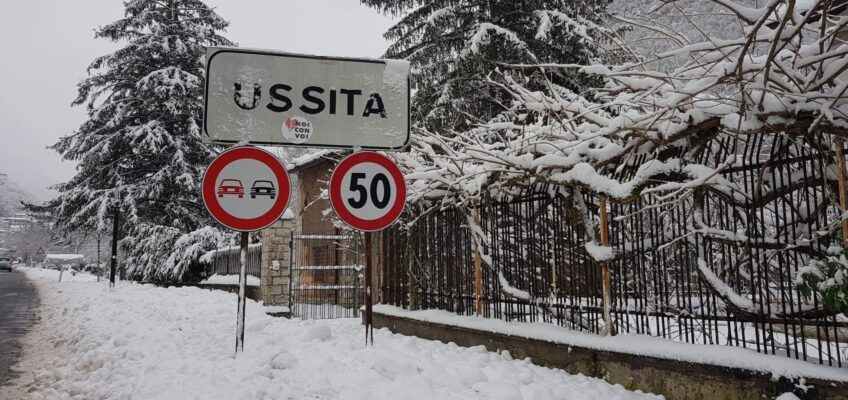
[(140, 151), (454, 45), (787, 74)]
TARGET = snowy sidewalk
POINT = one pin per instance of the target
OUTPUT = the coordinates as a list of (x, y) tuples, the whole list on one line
[(145, 342)]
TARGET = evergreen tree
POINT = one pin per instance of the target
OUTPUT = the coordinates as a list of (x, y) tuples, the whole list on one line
[(140, 150), (454, 47)]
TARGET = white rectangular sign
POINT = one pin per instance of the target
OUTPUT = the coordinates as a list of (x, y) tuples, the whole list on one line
[(277, 99)]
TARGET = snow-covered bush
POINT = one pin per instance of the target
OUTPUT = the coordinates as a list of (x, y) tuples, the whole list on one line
[(828, 280), (161, 253)]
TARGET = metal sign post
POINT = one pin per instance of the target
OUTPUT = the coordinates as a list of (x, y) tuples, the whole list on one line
[(368, 193), (369, 316), (242, 301), (245, 189)]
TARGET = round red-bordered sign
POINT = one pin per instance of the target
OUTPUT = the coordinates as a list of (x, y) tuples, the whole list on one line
[(367, 191), (246, 189)]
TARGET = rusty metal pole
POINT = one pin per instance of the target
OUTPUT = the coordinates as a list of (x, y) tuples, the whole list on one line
[(838, 146), (605, 272), (369, 317), (478, 271), (241, 294)]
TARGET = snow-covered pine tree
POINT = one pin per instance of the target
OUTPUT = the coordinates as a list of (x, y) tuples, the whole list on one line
[(140, 150), (454, 45)]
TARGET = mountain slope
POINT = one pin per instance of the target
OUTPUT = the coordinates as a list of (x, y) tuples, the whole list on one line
[(11, 196)]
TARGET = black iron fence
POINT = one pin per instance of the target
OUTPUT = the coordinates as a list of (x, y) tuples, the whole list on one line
[(705, 266), (326, 279), (227, 261)]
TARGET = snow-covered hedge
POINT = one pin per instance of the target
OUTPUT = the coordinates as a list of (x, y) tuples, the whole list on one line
[(165, 254)]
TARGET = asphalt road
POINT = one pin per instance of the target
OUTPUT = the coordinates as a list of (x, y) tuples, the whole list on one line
[(18, 300)]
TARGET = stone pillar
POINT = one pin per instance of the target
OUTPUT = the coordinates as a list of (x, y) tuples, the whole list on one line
[(276, 264)]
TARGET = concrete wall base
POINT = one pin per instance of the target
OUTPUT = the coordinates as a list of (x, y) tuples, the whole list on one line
[(279, 314), (251, 292), (676, 380)]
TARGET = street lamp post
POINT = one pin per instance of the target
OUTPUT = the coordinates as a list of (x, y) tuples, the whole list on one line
[(114, 263)]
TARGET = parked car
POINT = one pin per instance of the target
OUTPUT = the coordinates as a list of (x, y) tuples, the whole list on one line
[(263, 188), (6, 263), (231, 187)]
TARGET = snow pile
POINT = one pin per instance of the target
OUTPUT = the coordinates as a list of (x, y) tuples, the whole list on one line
[(146, 342), (631, 344), (53, 275)]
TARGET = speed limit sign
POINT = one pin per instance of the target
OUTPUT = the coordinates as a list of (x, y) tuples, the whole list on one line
[(367, 191)]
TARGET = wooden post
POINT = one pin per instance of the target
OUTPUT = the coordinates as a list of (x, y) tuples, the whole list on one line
[(605, 273), (838, 145), (552, 255), (478, 271)]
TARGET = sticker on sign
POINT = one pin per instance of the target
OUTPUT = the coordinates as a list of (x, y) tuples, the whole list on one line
[(270, 98)]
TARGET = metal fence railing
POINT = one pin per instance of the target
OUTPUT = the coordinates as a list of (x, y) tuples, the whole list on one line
[(674, 261), (227, 261), (326, 277)]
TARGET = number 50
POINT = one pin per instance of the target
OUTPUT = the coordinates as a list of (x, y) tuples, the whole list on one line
[(363, 193)]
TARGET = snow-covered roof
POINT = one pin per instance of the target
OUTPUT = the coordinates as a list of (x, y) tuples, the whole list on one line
[(309, 159)]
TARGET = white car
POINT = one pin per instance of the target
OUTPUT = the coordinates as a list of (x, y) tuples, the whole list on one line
[(6, 263)]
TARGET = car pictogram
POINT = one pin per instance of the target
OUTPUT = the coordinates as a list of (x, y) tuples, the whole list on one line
[(263, 188), (231, 187)]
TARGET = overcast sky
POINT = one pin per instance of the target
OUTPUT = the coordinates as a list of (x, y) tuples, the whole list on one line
[(49, 43)]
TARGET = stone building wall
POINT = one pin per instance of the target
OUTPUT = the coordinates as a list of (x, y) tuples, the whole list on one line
[(312, 180), (276, 262)]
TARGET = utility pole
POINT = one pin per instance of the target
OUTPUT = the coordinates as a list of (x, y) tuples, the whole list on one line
[(114, 265), (99, 239)]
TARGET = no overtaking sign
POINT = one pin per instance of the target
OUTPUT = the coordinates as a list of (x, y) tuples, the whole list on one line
[(246, 189)]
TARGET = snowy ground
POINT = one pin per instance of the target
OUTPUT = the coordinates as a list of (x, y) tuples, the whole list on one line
[(145, 342)]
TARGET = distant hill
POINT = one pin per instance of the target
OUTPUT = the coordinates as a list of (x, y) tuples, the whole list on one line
[(11, 196)]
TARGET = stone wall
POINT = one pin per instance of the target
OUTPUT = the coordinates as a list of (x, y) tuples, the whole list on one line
[(676, 380), (276, 263)]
